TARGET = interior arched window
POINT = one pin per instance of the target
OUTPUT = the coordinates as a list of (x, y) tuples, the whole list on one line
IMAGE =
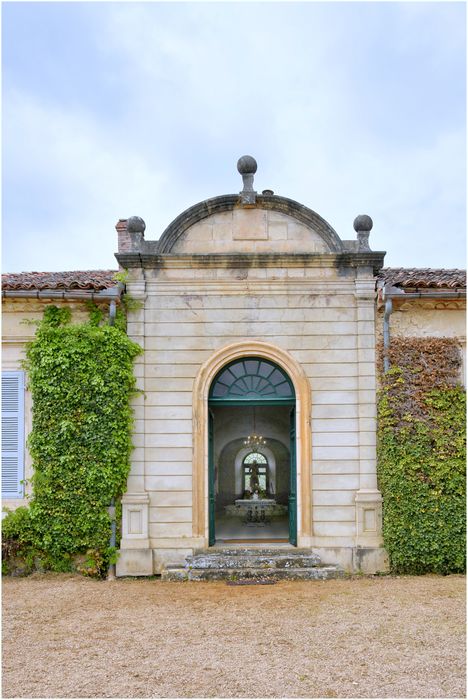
[(255, 464)]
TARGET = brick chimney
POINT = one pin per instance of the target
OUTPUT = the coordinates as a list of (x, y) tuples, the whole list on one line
[(123, 236), (130, 234)]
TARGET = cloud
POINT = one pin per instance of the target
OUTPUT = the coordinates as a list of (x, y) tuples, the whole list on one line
[(84, 177), (341, 104), (416, 196)]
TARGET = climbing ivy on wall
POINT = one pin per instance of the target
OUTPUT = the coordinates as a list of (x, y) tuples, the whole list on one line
[(81, 380), (421, 456)]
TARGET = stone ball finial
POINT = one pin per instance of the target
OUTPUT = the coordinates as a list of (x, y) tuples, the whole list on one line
[(135, 224), (363, 222), (247, 165)]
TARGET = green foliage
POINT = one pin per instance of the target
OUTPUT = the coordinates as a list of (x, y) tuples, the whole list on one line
[(121, 276), (55, 316), (81, 380), (96, 314), (421, 461), (131, 304), (17, 536), (16, 525), (94, 562), (121, 316)]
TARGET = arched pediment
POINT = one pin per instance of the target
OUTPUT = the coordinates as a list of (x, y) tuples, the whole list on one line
[(274, 224)]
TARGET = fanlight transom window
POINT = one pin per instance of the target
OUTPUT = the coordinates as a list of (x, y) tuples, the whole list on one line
[(251, 379)]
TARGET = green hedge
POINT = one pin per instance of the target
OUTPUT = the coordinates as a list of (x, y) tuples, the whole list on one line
[(421, 459), (81, 380)]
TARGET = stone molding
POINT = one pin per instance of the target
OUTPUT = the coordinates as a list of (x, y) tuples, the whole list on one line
[(269, 287), (37, 305), (155, 260), (200, 433), (433, 304), (228, 202)]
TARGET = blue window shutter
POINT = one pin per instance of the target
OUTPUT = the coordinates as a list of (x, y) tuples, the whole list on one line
[(12, 434)]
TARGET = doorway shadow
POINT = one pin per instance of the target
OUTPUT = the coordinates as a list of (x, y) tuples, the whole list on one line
[(230, 528)]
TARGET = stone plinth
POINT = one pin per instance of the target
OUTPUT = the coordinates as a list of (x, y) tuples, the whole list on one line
[(268, 505)]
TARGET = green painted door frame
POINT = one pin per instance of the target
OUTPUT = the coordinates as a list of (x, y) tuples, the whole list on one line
[(211, 481), (292, 501)]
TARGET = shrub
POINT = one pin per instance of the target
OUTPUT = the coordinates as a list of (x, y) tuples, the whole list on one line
[(81, 380), (421, 457)]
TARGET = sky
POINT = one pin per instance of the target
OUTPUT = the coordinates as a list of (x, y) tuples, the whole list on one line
[(116, 109)]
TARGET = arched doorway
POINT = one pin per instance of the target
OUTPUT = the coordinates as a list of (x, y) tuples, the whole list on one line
[(251, 405)]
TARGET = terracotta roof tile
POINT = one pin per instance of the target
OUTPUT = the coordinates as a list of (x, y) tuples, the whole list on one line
[(404, 277), (422, 277), (81, 279)]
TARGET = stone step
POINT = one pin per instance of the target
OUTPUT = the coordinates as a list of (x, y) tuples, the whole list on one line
[(222, 560), (253, 564), (255, 550), (316, 573)]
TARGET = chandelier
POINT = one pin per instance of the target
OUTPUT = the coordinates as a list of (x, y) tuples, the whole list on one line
[(253, 441)]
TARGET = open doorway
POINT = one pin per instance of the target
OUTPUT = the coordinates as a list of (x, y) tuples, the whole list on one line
[(252, 474), (252, 482)]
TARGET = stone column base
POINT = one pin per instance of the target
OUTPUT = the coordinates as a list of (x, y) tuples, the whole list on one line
[(134, 562), (370, 560), (355, 560), (135, 507), (135, 556), (368, 518)]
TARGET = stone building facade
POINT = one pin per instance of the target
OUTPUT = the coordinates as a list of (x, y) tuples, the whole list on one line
[(255, 319)]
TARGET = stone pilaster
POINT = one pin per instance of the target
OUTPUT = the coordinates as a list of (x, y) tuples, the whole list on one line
[(136, 291), (136, 556), (368, 498)]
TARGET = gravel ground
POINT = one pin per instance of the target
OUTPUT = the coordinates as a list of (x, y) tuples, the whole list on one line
[(65, 636)]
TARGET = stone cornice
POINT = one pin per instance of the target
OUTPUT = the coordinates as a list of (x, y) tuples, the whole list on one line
[(431, 304), (373, 260), (430, 299)]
